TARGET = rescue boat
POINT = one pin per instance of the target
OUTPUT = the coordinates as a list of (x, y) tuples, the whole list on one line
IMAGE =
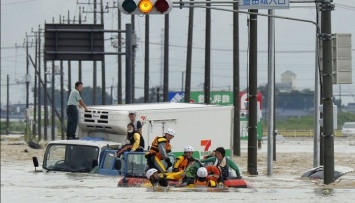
[(133, 171), (143, 182)]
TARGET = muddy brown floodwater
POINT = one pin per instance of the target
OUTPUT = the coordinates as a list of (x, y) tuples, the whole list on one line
[(19, 182)]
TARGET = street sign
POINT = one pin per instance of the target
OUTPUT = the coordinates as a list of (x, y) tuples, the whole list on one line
[(264, 4), (224, 98)]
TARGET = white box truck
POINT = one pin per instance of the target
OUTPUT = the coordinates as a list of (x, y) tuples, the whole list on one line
[(205, 127)]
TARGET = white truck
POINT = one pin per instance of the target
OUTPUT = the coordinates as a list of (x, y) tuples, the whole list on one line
[(205, 127)]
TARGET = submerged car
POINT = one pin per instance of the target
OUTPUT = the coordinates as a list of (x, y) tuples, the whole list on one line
[(348, 129)]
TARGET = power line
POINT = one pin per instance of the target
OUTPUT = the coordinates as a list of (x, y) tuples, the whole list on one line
[(19, 2)]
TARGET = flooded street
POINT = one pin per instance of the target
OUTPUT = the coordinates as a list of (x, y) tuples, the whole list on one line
[(19, 182)]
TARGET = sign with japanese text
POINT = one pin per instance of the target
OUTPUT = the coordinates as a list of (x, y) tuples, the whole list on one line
[(224, 98), (264, 4)]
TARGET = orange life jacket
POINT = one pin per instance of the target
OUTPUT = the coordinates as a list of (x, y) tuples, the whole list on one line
[(207, 183), (181, 163), (214, 171), (200, 183), (154, 148)]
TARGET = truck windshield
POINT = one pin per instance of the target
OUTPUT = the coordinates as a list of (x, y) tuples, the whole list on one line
[(70, 158)]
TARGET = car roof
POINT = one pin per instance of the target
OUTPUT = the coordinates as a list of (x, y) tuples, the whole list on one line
[(94, 143)]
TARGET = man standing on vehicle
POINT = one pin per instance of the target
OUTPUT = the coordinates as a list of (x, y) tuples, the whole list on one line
[(74, 101), (137, 124), (159, 151)]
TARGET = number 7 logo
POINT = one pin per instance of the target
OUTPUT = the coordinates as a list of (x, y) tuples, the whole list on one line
[(206, 143)]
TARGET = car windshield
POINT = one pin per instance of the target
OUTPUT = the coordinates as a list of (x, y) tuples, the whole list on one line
[(349, 125), (70, 158)]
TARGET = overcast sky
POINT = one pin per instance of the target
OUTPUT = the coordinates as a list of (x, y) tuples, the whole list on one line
[(295, 45)]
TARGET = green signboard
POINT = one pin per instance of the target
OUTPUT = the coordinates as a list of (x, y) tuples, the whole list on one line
[(224, 98)]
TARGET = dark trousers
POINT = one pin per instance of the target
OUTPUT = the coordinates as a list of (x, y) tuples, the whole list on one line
[(73, 117)]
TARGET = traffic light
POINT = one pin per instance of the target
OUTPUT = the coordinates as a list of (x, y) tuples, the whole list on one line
[(145, 7)]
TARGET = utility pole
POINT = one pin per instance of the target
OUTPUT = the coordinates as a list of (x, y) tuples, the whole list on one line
[(146, 61), (166, 59), (252, 97), (129, 64), (103, 67), (62, 99), (53, 125), (119, 59), (27, 75), (45, 103), (62, 126), (27, 87), (95, 64), (328, 134), (39, 119), (53, 102), (317, 134), (34, 127), (189, 54), (271, 91), (207, 82), (236, 82), (133, 58)]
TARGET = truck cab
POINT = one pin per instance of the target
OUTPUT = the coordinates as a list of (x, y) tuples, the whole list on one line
[(75, 155), (94, 156)]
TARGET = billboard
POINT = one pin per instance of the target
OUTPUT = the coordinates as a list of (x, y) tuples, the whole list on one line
[(74, 42)]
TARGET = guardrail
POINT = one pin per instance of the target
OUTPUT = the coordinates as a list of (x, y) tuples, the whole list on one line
[(299, 133)]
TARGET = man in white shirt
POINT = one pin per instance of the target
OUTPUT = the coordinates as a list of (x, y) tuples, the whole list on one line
[(74, 101)]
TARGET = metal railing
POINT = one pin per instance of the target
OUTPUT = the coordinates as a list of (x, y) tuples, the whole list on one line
[(299, 133)]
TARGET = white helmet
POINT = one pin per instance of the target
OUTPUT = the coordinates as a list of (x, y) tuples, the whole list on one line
[(170, 131), (188, 148), (150, 172), (132, 112), (202, 172)]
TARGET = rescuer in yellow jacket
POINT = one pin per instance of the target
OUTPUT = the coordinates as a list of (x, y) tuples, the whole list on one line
[(159, 151), (134, 141)]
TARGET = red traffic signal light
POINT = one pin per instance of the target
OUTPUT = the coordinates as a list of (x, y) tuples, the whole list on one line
[(145, 7)]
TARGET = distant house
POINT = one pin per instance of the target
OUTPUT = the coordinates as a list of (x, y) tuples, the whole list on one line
[(290, 78)]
